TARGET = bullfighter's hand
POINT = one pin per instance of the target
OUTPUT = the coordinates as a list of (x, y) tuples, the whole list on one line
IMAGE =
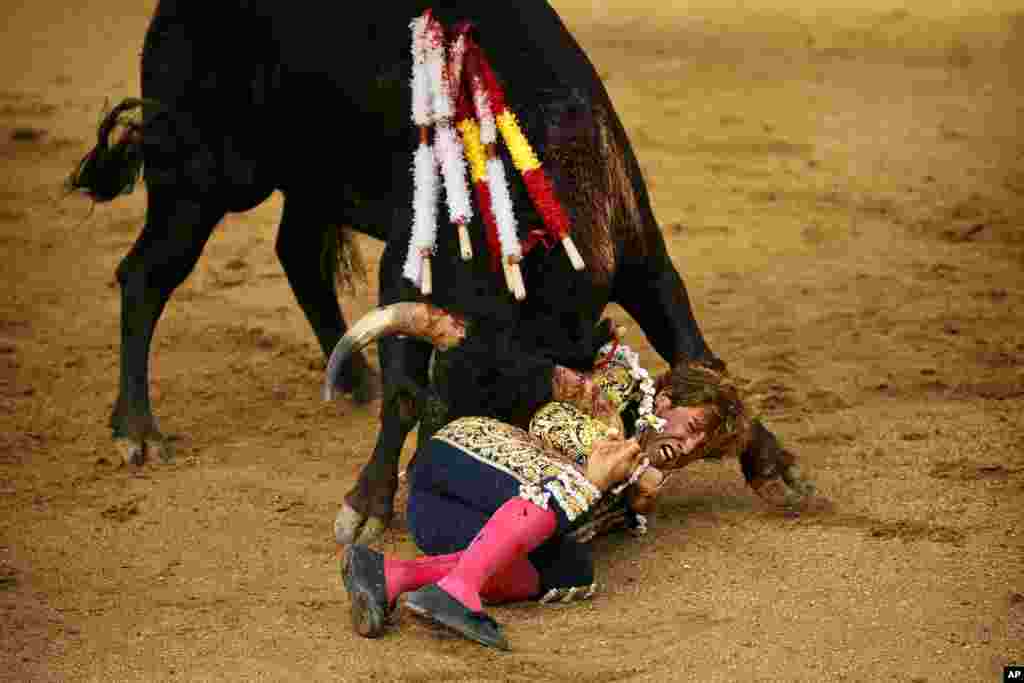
[(642, 496), (580, 390), (611, 461), (599, 405), (612, 419)]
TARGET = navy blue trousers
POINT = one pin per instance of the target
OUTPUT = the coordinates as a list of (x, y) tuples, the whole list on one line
[(451, 497)]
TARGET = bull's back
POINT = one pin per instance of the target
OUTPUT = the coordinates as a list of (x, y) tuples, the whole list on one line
[(265, 94)]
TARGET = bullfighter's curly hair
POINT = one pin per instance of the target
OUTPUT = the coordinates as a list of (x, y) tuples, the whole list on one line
[(694, 384)]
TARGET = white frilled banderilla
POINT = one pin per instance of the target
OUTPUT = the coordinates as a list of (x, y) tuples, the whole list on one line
[(456, 84)]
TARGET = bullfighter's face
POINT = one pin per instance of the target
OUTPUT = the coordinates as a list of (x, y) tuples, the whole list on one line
[(686, 428)]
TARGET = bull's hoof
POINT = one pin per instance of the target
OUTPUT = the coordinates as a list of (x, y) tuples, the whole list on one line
[(351, 526), (794, 477), (773, 492), (789, 492), (132, 452), (164, 450), (135, 452)]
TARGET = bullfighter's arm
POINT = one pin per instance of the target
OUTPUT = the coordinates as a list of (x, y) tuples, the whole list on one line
[(642, 496), (574, 435)]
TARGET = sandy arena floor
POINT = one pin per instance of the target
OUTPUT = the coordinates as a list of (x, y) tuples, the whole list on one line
[(844, 193)]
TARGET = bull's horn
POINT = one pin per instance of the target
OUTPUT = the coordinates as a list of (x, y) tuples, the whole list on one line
[(423, 321)]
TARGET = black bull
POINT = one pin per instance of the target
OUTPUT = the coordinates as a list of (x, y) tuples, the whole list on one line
[(312, 99)]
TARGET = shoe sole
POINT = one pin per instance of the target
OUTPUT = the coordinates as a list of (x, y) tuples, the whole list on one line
[(368, 619), (425, 613)]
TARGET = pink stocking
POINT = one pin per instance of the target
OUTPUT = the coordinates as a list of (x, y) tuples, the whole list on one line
[(402, 576), (518, 581), (513, 531)]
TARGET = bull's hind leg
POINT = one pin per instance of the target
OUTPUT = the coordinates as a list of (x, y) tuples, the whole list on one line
[(404, 365), (300, 246), (172, 239)]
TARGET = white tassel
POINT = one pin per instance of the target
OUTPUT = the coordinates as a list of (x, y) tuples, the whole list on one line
[(504, 216), (453, 166), (484, 114), (501, 202), (420, 77), (424, 211), (435, 58)]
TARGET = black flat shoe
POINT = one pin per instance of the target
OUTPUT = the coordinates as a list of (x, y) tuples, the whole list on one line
[(433, 603), (362, 571)]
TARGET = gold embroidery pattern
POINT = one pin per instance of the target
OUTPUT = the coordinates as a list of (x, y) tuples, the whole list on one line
[(568, 429), (609, 515), (574, 493), (616, 383), (541, 472)]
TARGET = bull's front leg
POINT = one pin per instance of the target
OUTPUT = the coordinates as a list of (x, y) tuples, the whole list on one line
[(369, 506), (653, 293), (772, 471), (404, 364)]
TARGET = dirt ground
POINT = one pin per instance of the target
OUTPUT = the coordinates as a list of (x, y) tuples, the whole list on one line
[(844, 194)]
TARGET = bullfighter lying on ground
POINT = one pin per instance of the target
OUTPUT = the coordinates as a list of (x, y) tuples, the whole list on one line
[(506, 514)]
